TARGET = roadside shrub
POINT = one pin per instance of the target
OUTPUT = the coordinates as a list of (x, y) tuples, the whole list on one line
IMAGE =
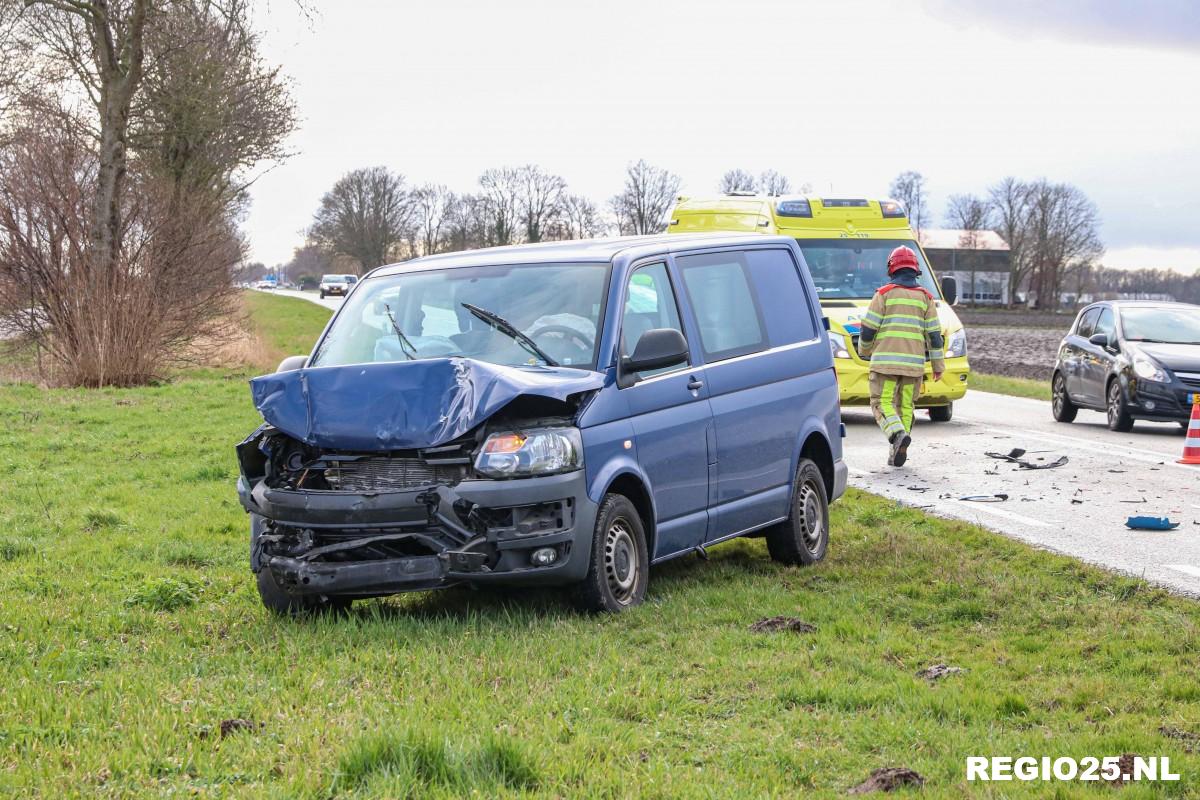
[(164, 594)]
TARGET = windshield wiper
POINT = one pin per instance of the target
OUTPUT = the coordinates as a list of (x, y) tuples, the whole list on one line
[(504, 326), (410, 352)]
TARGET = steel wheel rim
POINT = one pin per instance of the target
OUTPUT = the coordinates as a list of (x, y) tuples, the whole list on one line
[(812, 521), (620, 560)]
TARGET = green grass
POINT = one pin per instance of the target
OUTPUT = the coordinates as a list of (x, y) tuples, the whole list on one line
[(289, 326), (1018, 387), (130, 629)]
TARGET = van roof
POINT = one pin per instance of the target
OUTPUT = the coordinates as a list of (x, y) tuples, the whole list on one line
[(821, 215), (597, 250)]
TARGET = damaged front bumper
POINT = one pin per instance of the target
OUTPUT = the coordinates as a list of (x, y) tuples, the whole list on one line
[(478, 531)]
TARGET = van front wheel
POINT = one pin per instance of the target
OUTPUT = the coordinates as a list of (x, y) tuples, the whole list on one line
[(620, 561), (804, 536)]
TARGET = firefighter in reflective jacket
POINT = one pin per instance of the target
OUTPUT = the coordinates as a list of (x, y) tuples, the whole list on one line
[(900, 327)]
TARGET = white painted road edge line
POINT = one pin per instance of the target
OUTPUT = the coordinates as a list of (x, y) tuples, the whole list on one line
[(1187, 569)]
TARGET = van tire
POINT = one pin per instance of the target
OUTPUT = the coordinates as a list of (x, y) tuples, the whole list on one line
[(619, 564), (941, 413), (803, 537)]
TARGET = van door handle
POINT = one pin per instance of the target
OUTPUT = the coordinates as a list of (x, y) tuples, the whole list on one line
[(695, 383)]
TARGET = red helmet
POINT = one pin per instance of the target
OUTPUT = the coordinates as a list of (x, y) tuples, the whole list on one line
[(902, 258)]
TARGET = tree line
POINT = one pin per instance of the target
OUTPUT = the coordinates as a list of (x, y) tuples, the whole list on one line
[(372, 216), (128, 132)]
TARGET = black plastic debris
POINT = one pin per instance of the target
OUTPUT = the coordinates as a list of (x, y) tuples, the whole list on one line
[(985, 498), (1014, 457)]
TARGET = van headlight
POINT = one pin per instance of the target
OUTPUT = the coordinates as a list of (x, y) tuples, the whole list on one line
[(539, 451), (1147, 368), (837, 343), (957, 346)]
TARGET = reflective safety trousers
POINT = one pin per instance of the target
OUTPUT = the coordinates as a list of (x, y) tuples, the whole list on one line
[(893, 398)]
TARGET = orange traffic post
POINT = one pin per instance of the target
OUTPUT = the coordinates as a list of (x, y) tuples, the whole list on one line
[(1191, 445)]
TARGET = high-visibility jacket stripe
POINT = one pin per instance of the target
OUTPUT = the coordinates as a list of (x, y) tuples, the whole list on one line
[(899, 358), (904, 301), (888, 331)]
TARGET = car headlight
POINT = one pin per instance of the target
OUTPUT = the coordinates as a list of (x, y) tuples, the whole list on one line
[(837, 344), (540, 451), (1147, 368), (957, 346)]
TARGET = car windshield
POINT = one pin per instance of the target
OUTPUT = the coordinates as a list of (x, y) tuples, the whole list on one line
[(553, 311), (1162, 324), (855, 268)]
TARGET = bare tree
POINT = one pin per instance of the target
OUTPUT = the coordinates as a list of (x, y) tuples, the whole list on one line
[(540, 200), (466, 223), (366, 215), (1063, 224), (773, 183), (909, 189), (736, 180), (645, 200), (579, 219), (431, 205), (501, 192), (1009, 200), (971, 215), (210, 109)]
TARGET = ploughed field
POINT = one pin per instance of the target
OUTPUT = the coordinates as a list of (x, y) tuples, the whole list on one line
[(1014, 344), (136, 660)]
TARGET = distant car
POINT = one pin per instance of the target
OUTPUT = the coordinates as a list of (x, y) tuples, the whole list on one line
[(265, 284), (1132, 360), (337, 284)]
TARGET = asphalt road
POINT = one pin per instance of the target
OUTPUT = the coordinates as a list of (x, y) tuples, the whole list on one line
[(1078, 509), (331, 302)]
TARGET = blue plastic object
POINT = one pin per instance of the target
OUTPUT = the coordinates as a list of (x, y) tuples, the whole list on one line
[(1151, 524), (403, 405)]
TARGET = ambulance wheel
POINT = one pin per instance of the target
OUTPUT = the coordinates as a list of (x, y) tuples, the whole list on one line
[(803, 537), (1060, 402), (941, 413)]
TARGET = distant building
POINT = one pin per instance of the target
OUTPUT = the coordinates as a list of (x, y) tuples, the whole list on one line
[(978, 260)]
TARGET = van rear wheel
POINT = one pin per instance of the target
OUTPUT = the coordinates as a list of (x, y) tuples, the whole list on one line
[(803, 537), (620, 561)]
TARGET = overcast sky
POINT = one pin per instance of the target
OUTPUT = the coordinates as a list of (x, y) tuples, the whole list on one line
[(845, 95)]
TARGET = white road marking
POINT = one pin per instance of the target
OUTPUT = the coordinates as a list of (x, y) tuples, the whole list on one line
[(1187, 569)]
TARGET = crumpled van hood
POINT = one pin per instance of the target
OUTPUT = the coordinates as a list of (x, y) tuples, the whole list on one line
[(404, 405)]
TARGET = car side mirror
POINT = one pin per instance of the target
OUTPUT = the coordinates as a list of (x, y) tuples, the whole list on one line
[(950, 289), (292, 363), (656, 349), (1100, 340)]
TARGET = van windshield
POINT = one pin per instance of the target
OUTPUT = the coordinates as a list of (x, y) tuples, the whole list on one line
[(855, 268), (553, 310)]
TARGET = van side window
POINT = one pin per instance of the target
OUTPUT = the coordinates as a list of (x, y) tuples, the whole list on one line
[(1087, 324), (781, 294), (649, 303), (718, 286)]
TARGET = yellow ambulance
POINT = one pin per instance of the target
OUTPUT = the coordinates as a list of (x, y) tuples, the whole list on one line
[(846, 243)]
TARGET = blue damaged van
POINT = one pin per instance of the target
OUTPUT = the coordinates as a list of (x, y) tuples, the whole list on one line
[(555, 414)]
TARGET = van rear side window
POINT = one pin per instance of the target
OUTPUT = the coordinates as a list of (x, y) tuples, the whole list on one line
[(726, 309), (781, 294)]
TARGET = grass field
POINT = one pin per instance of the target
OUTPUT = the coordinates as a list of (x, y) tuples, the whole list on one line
[(1019, 387), (132, 642)]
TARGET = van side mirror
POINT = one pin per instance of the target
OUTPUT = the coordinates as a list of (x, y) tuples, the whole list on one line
[(950, 289), (1100, 340), (656, 349), (292, 363)]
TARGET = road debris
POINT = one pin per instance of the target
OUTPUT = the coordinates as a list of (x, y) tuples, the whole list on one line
[(985, 498), (938, 671), (888, 779), (781, 623), (1151, 524), (1014, 457)]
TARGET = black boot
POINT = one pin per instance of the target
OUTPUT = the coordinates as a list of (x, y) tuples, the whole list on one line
[(900, 441)]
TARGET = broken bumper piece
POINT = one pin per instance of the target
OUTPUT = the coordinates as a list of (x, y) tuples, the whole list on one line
[(478, 531)]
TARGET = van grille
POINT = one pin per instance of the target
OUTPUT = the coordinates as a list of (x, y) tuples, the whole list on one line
[(387, 474)]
